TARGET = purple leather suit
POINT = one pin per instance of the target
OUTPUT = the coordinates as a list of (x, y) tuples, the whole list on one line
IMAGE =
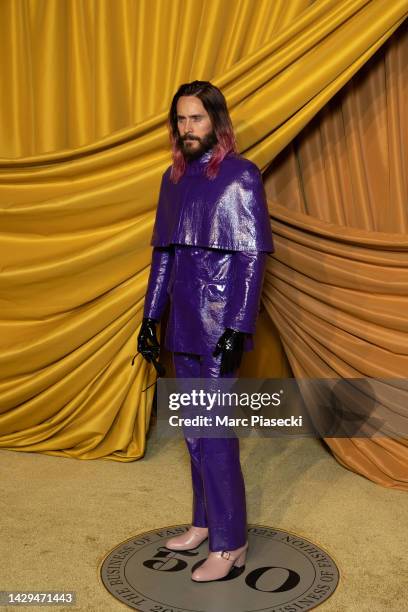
[(210, 239)]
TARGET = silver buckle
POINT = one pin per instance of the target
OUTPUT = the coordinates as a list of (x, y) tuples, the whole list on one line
[(224, 553)]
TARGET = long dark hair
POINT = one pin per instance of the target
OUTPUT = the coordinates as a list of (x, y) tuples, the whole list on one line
[(214, 103)]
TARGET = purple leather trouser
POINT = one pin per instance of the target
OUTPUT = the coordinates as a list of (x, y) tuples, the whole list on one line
[(218, 484)]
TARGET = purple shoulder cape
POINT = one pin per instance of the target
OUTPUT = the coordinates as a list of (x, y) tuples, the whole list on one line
[(228, 212)]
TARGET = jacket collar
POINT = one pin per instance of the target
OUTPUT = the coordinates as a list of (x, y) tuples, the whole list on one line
[(197, 166)]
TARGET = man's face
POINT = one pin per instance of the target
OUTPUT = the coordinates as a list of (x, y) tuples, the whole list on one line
[(196, 135)]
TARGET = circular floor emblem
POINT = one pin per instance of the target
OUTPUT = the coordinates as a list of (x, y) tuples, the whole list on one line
[(283, 573)]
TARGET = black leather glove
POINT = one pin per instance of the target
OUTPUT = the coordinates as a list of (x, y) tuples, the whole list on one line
[(147, 343), (231, 346)]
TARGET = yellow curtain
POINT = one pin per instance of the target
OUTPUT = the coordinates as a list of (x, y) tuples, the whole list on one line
[(337, 287), (84, 94)]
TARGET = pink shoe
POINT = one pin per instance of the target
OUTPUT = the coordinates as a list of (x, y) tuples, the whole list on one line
[(219, 564), (188, 540)]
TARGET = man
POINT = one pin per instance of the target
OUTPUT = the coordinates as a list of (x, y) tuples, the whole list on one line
[(211, 237)]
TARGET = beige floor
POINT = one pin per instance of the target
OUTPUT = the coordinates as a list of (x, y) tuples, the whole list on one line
[(59, 517)]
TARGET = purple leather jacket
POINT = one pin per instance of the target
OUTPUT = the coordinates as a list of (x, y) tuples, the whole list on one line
[(210, 239)]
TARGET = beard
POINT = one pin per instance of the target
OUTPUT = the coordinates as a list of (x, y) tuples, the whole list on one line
[(204, 144)]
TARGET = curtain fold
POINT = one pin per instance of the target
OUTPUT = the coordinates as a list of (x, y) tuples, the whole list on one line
[(337, 287), (84, 95)]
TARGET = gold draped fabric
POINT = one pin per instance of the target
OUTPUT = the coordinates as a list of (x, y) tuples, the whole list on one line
[(337, 288), (85, 89)]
